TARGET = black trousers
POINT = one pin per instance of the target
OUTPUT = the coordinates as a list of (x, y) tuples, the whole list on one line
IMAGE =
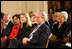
[(15, 43)]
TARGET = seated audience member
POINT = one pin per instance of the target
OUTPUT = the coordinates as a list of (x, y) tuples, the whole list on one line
[(23, 31), (54, 8), (33, 21), (60, 29), (2, 26), (59, 7), (55, 19), (39, 35), (69, 18), (2, 23), (50, 17), (67, 36), (8, 25), (25, 25)]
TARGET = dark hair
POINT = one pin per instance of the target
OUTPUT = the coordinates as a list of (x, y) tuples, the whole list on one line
[(2, 15), (49, 9), (54, 5), (16, 15)]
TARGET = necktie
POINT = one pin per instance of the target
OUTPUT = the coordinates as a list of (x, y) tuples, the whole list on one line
[(31, 35)]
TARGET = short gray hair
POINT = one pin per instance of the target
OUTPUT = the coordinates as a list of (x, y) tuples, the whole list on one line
[(65, 14), (44, 15)]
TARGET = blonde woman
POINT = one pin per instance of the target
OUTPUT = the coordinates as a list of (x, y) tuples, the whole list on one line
[(25, 25), (24, 18)]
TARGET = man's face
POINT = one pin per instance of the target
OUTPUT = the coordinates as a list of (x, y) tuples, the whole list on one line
[(39, 19), (6, 18)]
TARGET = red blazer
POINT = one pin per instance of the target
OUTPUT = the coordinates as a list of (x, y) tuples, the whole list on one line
[(14, 32)]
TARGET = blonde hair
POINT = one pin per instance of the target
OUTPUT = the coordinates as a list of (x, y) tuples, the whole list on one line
[(55, 14), (26, 15)]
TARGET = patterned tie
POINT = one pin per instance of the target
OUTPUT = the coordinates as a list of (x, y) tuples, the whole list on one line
[(34, 30), (31, 35)]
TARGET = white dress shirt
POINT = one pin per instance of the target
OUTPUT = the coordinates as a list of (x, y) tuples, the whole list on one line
[(6, 24)]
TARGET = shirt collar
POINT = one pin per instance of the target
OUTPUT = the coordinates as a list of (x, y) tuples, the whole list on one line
[(40, 24), (7, 22)]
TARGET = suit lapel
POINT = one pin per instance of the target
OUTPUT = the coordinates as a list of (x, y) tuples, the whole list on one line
[(38, 30)]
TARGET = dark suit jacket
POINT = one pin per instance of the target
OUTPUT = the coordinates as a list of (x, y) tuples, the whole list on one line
[(60, 33), (40, 37), (8, 29), (51, 23), (23, 32)]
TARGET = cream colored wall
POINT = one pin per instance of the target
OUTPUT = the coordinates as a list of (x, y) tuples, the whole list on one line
[(13, 7)]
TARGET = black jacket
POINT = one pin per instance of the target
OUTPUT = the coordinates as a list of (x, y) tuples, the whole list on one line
[(7, 31), (40, 37), (60, 33), (23, 32)]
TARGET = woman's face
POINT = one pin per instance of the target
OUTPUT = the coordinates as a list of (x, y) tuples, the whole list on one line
[(56, 17), (61, 18), (16, 20), (50, 11), (33, 20), (23, 19)]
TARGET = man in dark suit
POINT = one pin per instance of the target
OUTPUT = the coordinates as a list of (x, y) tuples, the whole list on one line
[(39, 36), (8, 25)]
